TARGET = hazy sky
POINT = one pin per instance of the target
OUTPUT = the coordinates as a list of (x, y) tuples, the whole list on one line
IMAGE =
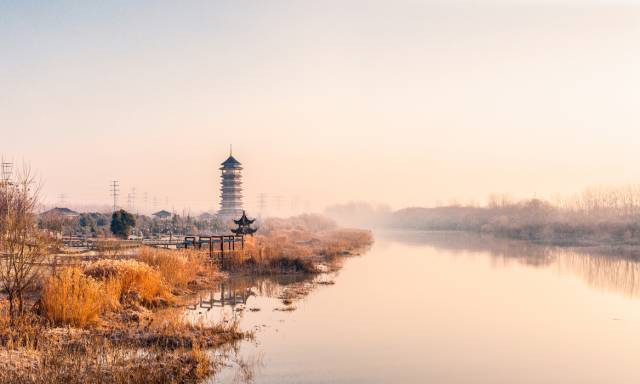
[(403, 102)]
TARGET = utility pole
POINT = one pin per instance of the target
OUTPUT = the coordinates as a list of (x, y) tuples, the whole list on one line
[(133, 198), (262, 203), (6, 172), (295, 202), (62, 199), (115, 191), (278, 199)]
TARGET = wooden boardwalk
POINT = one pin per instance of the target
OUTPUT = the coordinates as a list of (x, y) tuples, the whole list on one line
[(219, 246)]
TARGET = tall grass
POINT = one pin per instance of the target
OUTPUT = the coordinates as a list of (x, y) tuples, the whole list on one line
[(77, 297), (178, 268), (297, 245), (136, 280), (72, 298), (96, 360)]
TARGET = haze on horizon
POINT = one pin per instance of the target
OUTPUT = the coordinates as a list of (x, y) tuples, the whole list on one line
[(408, 103)]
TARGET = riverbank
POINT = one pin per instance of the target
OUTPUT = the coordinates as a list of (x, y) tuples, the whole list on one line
[(122, 319)]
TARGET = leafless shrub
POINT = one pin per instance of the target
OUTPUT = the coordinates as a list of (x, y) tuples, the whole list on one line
[(23, 247)]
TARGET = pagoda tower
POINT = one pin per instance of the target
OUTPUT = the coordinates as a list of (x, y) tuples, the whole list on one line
[(231, 189)]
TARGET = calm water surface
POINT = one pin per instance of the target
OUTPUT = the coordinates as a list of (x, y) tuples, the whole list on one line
[(445, 308)]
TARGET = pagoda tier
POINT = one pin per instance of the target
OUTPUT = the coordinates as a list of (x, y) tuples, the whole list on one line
[(231, 188)]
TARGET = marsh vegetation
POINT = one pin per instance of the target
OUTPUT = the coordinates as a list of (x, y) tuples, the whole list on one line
[(119, 316)]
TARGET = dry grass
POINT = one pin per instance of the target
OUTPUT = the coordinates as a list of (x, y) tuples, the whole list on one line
[(23, 334), (112, 288), (72, 298), (169, 351), (137, 281), (297, 245), (168, 330), (77, 297), (178, 268), (96, 360)]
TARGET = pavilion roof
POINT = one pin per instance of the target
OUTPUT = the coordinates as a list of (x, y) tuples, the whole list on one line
[(244, 220)]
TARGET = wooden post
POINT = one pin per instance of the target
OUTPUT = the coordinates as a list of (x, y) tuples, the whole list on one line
[(221, 252)]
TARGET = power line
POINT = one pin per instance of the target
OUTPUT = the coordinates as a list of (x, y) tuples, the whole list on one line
[(62, 198), (115, 191), (278, 200), (133, 193), (6, 171), (295, 202), (131, 199), (262, 203)]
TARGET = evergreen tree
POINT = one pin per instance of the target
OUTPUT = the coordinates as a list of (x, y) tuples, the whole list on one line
[(121, 223)]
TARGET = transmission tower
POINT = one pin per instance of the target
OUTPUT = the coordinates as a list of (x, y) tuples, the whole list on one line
[(262, 203), (295, 202), (6, 172), (131, 199), (115, 192), (278, 200), (62, 198)]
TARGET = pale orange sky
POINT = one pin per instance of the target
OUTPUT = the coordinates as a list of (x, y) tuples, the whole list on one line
[(404, 102)]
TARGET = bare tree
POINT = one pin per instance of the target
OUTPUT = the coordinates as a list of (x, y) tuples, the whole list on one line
[(23, 246)]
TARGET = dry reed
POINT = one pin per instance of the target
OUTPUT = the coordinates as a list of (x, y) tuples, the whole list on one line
[(178, 268), (137, 281), (72, 298)]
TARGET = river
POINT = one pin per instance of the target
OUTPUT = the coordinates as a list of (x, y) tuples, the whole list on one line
[(425, 307)]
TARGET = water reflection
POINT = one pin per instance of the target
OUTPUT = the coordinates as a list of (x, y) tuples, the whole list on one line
[(224, 296), (603, 269), (254, 302), (232, 298), (439, 307), (614, 273)]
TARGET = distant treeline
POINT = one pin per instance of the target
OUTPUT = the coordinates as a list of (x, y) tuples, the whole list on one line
[(595, 217), (97, 224)]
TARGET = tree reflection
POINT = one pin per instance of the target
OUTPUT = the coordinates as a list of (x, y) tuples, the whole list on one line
[(605, 269)]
